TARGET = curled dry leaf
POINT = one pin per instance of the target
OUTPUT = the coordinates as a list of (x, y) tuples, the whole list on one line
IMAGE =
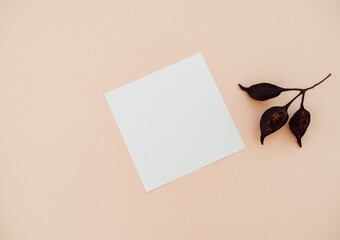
[(272, 120), (263, 91), (299, 123)]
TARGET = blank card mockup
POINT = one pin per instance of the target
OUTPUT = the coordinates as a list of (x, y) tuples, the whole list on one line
[(174, 121)]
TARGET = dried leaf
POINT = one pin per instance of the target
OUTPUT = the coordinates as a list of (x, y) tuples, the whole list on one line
[(299, 123), (263, 91), (272, 120)]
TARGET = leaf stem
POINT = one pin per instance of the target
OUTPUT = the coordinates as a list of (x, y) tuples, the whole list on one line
[(303, 91), (306, 89), (318, 83), (288, 104), (303, 99), (292, 89)]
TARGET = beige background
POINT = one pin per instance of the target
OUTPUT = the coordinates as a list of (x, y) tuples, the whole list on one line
[(65, 172)]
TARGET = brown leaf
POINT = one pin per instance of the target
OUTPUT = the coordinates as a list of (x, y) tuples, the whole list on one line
[(263, 91), (299, 123), (272, 120)]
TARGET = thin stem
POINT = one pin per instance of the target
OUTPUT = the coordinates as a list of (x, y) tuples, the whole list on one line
[(288, 104), (318, 83), (292, 89), (306, 89), (303, 99), (303, 91)]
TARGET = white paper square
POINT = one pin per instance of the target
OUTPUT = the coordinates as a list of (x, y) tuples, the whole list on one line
[(174, 121)]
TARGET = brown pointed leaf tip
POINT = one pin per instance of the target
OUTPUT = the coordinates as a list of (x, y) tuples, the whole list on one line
[(272, 120), (262, 91), (299, 123)]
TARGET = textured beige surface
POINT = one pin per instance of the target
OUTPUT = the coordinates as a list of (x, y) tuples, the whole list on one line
[(65, 172)]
